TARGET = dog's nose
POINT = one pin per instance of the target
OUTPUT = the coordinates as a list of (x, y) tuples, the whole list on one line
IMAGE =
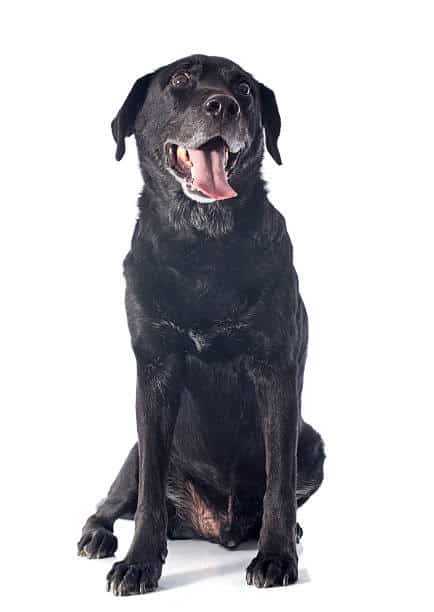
[(224, 106)]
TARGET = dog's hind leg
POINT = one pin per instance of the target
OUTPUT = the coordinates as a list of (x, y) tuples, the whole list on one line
[(310, 463), (97, 539)]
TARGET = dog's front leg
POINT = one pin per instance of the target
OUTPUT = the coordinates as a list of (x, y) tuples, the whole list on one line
[(276, 562), (157, 402)]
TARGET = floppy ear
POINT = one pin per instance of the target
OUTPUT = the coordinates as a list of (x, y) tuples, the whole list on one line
[(270, 121), (123, 124)]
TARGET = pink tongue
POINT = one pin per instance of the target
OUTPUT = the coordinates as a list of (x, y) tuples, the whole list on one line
[(208, 172)]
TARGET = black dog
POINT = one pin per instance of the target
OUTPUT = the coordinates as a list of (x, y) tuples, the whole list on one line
[(219, 332)]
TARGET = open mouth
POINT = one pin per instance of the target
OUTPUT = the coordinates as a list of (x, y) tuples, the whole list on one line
[(204, 172)]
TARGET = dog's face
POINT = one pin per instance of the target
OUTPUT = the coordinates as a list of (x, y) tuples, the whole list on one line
[(199, 126)]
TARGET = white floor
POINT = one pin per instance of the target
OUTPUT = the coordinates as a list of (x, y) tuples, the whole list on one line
[(193, 570), (202, 576)]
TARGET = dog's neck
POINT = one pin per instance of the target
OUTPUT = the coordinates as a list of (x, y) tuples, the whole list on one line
[(175, 212)]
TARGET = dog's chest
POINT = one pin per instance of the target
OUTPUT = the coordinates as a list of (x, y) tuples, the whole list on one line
[(202, 301), (200, 291), (202, 312)]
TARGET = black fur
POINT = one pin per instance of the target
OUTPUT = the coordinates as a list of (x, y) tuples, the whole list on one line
[(219, 332)]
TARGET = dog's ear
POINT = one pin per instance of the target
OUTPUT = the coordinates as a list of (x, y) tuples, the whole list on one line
[(271, 121), (123, 124)]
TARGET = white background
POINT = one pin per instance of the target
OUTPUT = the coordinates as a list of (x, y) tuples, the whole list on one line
[(354, 82)]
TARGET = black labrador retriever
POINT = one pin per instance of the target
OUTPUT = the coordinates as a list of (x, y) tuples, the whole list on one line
[(219, 332)]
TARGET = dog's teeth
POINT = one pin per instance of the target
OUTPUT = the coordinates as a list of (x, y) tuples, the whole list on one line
[(183, 155)]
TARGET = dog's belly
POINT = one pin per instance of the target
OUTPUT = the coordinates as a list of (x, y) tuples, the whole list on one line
[(217, 453), (217, 434)]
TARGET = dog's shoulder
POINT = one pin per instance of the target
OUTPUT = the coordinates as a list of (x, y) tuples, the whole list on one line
[(272, 238)]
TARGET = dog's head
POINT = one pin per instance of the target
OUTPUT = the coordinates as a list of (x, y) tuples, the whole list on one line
[(199, 125)]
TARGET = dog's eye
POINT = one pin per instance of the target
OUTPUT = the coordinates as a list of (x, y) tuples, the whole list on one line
[(181, 79), (244, 88)]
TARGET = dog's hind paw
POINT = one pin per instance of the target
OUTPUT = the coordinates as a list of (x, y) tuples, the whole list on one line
[(97, 544), (272, 570), (127, 578)]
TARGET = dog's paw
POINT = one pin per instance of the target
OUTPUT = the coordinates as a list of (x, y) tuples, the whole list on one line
[(272, 570), (127, 578), (97, 544)]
